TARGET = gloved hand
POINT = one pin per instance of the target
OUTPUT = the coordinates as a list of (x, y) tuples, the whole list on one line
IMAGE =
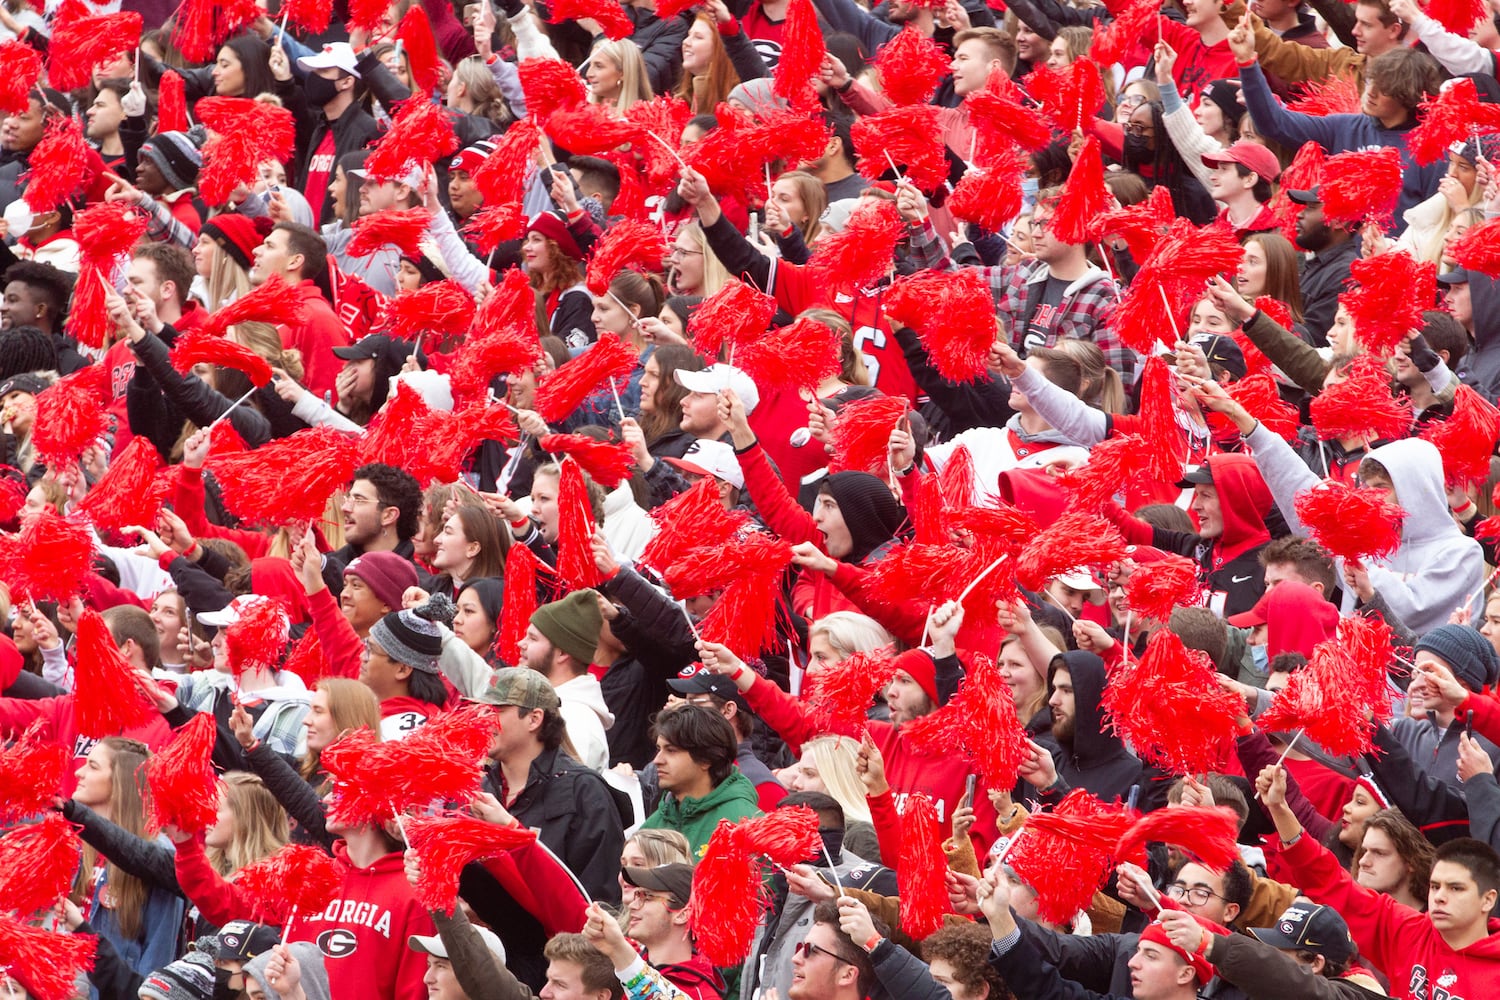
[(1422, 354), (134, 101)]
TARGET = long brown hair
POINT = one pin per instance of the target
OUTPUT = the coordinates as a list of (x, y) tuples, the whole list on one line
[(260, 824), (353, 706), (1413, 848), (1282, 281), (704, 93), (666, 404), (127, 810)]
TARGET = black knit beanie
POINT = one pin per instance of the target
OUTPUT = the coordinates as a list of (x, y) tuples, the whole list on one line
[(26, 349)]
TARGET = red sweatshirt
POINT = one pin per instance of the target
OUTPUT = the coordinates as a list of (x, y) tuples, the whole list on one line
[(346, 653), (1197, 65), (1399, 941), (59, 726), (316, 337)]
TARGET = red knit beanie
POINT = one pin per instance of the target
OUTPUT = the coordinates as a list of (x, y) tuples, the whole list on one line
[(1201, 967), (239, 235), (554, 229), (919, 665)]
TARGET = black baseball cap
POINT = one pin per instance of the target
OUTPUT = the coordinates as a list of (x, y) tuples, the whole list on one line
[(25, 382), (1309, 926), (241, 940), (1310, 197), (380, 345), (1201, 476), (696, 679), (1222, 351), (676, 880)]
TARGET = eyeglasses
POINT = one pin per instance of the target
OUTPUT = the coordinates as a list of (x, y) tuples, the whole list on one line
[(1140, 128), (641, 897), (1132, 100), (677, 253), (803, 948), (356, 499), (1198, 895)]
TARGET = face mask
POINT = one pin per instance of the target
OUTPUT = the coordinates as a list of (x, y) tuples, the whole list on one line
[(1137, 149), (1259, 660), (1029, 187), (319, 90)]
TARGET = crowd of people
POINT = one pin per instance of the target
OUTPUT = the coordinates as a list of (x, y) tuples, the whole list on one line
[(962, 427)]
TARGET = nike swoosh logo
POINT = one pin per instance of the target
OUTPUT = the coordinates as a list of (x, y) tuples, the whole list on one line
[(1238, 579)]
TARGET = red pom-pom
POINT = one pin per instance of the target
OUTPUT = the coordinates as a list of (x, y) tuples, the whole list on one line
[(999, 118), (611, 17), (70, 416), (1084, 197), (802, 53), (608, 464), (312, 16), (257, 640), (1169, 707), (863, 252), (1261, 398), (1129, 26), (1361, 405), (107, 699), (37, 863), (289, 480), (1141, 225), (437, 762), (127, 493), (1165, 443), (695, 519), (1334, 95), (979, 723), (1174, 275), (575, 530), (1361, 186), (59, 165), (1207, 833), (624, 244), (82, 40), (402, 228), (560, 392), (421, 134), (1078, 538), (503, 176), (297, 877), (1116, 465), (911, 137), (1082, 95), (307, 659), (1156, 589), (861, 434), (184, 787), (108, 231), (794, 357), (393, 436), (197, 348), (1479, 248), (664, 117), (445, 844), (246, 133), (414, 35), (989, 194), (1302, 174), (20, 66), (839, 701), (47, 964), (503, 338), (784, 837), (954, 314), (911, 66), (1329, 697), (31, 774), (1387, 306), (489, 227), (1453, 114), (550, 85), (369, 16), (590, 129), (735, 314), (1066, 855), (748, 570), (519, 603), (727, 900), (201, 26), (733, 157), (922, 869), (1351, 522), (1467, 438), (448, 438), (1458, 16), (442, 307), (48, 559)]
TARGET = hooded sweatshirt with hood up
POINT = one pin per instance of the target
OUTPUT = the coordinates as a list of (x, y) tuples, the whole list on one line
[(1230, 563), (1436, 566), (587, 718), (1094, 759), (1297, 619), (309, 958)]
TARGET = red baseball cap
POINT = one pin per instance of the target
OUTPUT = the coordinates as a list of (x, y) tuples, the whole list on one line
[(1251, 155)]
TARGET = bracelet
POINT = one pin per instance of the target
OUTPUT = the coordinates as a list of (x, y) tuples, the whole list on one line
[(1464, 510), (519, 525), (1289, 843), (193, 550), (873, 940), (844, 87), (739, 672), (1203, 941)]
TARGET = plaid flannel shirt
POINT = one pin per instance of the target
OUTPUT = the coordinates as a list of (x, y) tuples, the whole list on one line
[(1086, 311), (279, 726)]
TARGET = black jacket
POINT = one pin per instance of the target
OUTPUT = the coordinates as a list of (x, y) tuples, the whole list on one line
[(658, 644), (1323, 281), (1094, 758), (300, 799), (1100, 963), (159, 399), (1264, 973), (351, 130), (577, 817)]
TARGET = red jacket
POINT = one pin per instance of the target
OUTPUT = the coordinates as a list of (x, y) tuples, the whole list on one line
[(59, 726), (317, 336), (187, 501), (1399, 941)]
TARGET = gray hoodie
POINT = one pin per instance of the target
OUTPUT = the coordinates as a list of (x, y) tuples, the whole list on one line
[(314, 975)]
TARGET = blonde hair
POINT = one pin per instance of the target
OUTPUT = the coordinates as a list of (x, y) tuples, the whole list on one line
[(260, 824), (482, 90), (835, 758), (127, 810), (352, 705), (1101, 383), (814, 198), (226, 281), (849, 632), (852, 370), (662, 847), (715, 274), (263, 339), (635, 79)]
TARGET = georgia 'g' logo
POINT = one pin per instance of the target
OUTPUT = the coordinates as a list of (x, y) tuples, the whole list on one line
[(337, 943)]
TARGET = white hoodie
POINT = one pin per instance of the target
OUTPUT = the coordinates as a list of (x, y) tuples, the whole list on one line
[(587, 716)]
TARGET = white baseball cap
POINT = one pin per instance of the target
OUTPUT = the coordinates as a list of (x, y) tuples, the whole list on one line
[(433, 945), (706, 457), (230, 613), (715, 378), (335, 55)]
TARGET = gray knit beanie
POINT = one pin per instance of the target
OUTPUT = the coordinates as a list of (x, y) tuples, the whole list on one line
[(412, 636)]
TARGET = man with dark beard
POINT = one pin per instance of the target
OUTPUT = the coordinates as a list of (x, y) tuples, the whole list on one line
[(1333, 249)]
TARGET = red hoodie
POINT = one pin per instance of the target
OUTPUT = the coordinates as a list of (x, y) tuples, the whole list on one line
[(1399, 941)]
